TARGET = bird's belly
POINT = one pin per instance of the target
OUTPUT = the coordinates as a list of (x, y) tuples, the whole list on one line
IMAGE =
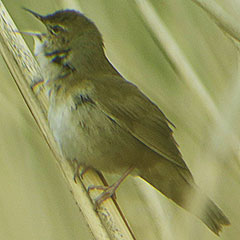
[(92, 138)]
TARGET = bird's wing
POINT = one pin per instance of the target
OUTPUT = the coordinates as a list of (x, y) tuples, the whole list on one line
[(126, 105)]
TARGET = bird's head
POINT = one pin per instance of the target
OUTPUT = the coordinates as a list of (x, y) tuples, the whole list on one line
[(65, 28)]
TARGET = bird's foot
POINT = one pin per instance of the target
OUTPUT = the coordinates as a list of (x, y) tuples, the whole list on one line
[(108, 192), (37, 84), (80, 170)]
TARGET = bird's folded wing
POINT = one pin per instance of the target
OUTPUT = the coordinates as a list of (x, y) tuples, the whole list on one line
[(126, 105)]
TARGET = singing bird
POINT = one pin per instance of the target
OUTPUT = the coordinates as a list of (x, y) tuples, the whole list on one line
[(101, 120)]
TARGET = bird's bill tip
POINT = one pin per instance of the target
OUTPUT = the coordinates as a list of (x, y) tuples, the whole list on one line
[(38, 16)]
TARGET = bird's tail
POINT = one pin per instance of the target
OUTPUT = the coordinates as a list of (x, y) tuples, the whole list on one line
[(177, 184)]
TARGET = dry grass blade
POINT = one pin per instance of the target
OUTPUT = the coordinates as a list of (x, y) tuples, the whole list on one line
[(108, 222), (225, 21)]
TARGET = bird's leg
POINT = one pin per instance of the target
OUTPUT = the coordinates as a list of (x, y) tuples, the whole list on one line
[(109, 191)]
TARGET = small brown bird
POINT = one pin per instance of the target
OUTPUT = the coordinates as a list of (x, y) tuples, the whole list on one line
[(102, 121)]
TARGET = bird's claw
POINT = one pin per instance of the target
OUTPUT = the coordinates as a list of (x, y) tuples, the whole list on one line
[(108, 192), (37, 84), (77, 173)]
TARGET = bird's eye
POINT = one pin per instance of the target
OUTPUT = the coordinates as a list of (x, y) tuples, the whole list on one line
[(55, 30)]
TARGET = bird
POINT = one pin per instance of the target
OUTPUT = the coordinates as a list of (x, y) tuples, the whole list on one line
[(102, 121)]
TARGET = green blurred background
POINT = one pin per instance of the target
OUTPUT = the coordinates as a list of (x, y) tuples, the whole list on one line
[(35, 202)]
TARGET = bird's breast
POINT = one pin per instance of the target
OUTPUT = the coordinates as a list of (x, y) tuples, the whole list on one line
[(87, 134)]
